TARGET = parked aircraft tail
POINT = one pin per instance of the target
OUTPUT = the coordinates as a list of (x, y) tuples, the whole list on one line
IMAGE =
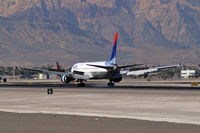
[(58, 66)]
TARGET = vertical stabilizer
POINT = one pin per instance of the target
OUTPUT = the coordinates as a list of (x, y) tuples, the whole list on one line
[(58, 66), (114, 49)]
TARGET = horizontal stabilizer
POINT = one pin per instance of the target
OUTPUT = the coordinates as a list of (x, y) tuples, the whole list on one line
[(104, 67)]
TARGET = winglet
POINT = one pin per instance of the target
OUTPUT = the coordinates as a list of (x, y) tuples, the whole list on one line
[(113, 54)]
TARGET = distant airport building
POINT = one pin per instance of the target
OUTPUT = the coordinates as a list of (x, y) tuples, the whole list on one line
[(42, 76), (188, 73)]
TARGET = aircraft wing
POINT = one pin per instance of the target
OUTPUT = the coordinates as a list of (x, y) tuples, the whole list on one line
[(42, 70), (141, 72), (66, 73), (50, 71), (149, 70), (126, 66)]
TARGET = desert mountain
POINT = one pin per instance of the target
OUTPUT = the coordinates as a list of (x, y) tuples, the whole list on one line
[(34, 32)]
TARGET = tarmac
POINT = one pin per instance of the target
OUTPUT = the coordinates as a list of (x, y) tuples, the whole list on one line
[(51, 123), (140, 106)]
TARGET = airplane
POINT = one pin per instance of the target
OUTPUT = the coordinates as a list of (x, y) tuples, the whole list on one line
[(81, 72)]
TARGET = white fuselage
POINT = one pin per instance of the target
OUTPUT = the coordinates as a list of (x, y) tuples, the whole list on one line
[(92, 71)]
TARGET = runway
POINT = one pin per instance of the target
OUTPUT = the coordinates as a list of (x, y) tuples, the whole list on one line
[(125, 84), (157, 103), (125, 101)]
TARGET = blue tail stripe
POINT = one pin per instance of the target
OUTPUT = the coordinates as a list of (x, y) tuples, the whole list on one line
[(113, 54)]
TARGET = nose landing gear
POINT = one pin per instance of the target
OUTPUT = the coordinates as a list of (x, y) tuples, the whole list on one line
[(81, 84)]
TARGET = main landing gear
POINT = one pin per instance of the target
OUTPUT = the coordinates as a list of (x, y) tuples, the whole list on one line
[(81, 84), (110, 84)]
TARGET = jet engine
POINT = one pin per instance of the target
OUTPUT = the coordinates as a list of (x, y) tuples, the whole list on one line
[(116, 78), (4, 80), (66, 79)]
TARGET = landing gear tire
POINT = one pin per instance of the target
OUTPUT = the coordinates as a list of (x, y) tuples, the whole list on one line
[(110, 84), (81, 85)]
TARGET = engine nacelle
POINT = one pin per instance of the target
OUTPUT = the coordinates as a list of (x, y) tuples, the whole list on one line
[(66, 79), (116, 78), (4, 80)]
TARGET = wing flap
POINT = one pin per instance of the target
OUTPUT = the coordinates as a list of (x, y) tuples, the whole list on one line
[(80, 77), (149, 70)]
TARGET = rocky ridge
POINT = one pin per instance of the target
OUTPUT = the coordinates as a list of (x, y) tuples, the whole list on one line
[(150, 31)]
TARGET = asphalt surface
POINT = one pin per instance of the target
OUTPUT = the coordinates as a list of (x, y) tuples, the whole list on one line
[(125, 84), (129, 107), (51, 123)]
